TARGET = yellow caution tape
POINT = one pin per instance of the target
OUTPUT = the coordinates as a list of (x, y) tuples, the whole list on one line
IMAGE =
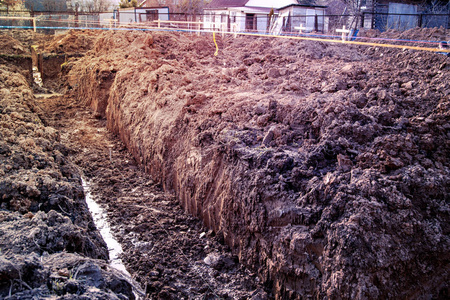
[(217, 47)]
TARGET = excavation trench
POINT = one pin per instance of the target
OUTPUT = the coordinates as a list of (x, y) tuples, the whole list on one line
[(323, 169), (280, 149), (164, 249)]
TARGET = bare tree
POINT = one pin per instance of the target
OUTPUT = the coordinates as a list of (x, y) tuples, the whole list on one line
[(95, 5), (440, 9), (192, 6), (128, 3), (10, 3)]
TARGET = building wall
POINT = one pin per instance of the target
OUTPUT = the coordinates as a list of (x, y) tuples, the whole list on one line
[(139, 14), (232, 20), (297, 16), (131, 16), (382, 21)]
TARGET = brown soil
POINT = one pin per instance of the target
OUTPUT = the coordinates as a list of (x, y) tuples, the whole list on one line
[(75, 41), (417, 34), (49, 246), (164, 248), (323, 168)]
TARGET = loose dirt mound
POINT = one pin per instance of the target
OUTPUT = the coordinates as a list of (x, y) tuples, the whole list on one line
[(324, 167), (72, 42), (44, 219), (26, 37), (12, 46), (414, 34)]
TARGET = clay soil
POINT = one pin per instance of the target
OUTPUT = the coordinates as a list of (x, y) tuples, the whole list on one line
[(278, 169), (170, 254)]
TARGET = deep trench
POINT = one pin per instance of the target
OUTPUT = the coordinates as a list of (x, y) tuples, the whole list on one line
[(298, 238), (149, 223)]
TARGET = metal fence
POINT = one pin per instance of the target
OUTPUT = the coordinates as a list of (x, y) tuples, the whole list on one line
[(320, 24), (386, 21)]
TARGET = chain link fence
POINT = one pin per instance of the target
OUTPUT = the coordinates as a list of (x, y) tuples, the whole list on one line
[(263, 24)]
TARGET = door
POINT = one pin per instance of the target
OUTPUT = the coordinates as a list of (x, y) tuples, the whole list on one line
[(151, 15), (310, 19), (250, 22)]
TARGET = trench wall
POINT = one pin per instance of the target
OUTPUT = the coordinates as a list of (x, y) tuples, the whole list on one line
[(303, 191), (23, 64)]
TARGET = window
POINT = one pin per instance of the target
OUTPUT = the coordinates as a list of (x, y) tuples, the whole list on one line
[(151, 15)]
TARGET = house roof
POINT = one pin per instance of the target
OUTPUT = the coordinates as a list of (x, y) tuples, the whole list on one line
[(302, 5), (227, 3), (252, 9), (224, 4), (270, 3)]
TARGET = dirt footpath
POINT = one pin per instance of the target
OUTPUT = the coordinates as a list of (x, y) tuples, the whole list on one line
[(171, 254)]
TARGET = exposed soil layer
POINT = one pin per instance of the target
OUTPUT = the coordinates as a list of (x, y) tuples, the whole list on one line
[(49, 246), (324, 167), (172, 255), (16, 56)]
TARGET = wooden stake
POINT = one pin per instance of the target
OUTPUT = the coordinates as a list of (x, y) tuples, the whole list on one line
[(344, 31), (300, 28)]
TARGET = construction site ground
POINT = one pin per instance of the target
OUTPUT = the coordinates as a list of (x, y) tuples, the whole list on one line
[(280, 168)]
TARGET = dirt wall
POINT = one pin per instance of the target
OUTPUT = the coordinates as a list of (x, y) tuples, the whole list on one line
[(49, 245), (325, 167)]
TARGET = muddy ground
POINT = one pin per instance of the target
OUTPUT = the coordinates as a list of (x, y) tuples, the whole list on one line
[(322, 168), (49, 245), (171, 254)]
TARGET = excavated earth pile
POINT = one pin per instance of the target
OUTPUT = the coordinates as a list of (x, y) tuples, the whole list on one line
[(47, 237), (49, 245), (325, 167)]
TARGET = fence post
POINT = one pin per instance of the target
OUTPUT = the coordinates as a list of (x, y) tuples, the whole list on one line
[(316, 23), (76, 14), (420, 21)]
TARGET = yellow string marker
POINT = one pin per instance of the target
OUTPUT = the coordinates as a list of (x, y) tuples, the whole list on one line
[(348, 42), (217, 47)]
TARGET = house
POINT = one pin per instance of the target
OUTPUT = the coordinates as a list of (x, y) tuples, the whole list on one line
[(135, 15), (263, 16), (301, 17), (406, 14), (242, 15)]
